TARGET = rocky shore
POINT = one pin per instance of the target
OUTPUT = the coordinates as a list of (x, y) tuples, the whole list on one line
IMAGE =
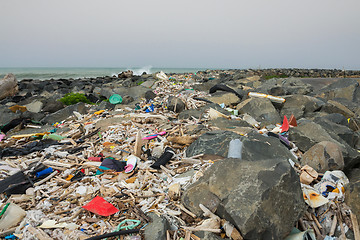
[(298, 124)]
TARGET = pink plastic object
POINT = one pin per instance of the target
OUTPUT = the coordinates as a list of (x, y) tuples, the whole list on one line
[(101, 207), (154, 136), (95, 159), (2, 137)]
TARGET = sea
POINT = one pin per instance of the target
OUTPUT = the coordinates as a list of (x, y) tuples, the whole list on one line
[(75, 73)]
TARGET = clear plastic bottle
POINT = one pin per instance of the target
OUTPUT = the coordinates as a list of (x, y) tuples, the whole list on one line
[(235, 149)]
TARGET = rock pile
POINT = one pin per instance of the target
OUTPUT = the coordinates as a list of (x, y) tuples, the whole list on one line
[(159, 161)]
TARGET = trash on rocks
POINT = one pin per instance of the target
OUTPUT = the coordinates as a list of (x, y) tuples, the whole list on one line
[(16, 108), (225, 88), (308, 175), (270, 97), (213, 114), (99, 174), (285, 125), (235, 149), (296, 234), (115, 99), (162, 76), (292, 121), (164, 158), (312, 197)]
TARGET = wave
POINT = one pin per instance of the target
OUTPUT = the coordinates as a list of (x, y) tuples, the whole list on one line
[(140, 71)]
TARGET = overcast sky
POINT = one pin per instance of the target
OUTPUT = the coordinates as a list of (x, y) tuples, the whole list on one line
[(165, 33)]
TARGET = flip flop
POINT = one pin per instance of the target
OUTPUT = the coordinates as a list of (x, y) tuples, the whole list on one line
[(130, 163)]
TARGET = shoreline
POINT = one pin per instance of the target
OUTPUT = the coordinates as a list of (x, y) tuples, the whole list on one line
[(89, 73)]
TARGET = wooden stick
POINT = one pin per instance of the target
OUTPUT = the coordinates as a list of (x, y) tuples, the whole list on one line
[(187, 235), (341, 226), (197, 229), (316, 221), (171, 172), (40, 234), (185, 210), (193, 236), (333, 226), (355, 226), (302, 225), (191, 161), (316, 229)]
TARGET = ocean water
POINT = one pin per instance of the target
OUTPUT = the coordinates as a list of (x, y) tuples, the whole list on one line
[(75, 73)]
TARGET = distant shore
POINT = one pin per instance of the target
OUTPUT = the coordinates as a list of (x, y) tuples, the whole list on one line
[(80, 73)]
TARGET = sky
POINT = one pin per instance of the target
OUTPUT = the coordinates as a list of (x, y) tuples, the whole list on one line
[(166, 33)]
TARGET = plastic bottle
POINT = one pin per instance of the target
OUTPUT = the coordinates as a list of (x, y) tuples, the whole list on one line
[(235, 149)]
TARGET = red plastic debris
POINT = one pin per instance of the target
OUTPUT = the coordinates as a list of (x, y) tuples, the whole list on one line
[(292, 121), (285, 125), (101, 207), (95, 159)]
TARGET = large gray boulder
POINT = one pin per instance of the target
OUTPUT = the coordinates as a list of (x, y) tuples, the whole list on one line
[(261, 109), (343, 88), (284, 86), (308, 133), (229, 99), (299, 105), (352, 194), (263, 199), (324, 156), (255, 146), (175, 104), (335, 107), (136, 92), (65, 113), (157, 228), (341, 133), (52, 105), (8, 86), (7, 115)]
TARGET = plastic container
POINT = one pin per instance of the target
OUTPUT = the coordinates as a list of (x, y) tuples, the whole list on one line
[(235, 149), (12, 216), (115, 99)]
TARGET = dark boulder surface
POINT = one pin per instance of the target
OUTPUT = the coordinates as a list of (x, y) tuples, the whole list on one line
[(175, 104), (64, 113), (261, 109), (299, 105), (255, 146), (324, 156), (262, 198)]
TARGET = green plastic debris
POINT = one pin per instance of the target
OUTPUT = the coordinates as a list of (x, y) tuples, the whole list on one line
[(115, 99), (4, 209), (53, 136)]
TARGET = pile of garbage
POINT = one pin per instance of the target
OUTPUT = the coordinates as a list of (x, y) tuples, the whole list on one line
[(111, 173)]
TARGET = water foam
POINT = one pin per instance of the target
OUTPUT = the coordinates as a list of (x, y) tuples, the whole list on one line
[(139, 71)]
